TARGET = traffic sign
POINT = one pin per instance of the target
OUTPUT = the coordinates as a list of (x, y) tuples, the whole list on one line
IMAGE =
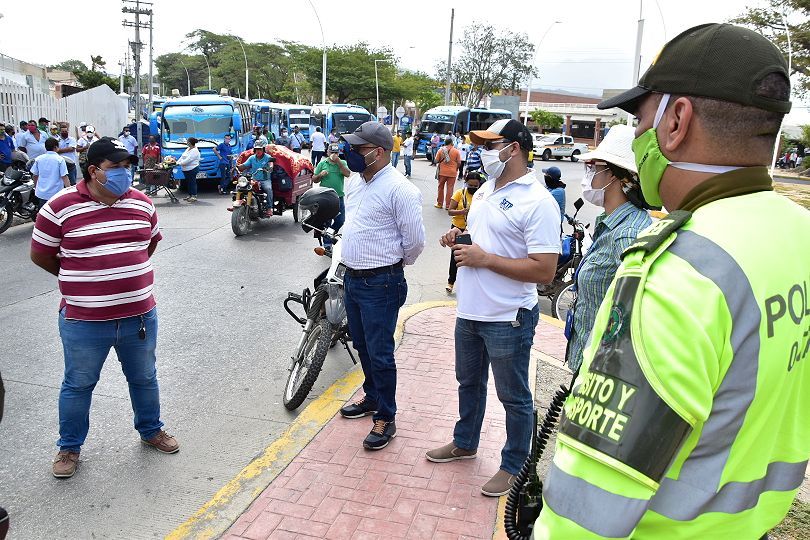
[(381, 111), (400, 112)]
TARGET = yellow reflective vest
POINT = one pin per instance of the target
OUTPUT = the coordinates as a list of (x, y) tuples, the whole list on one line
[(689, 418)]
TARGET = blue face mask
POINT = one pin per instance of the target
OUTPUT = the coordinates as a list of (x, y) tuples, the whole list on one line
[(357, 161), (118, 181)]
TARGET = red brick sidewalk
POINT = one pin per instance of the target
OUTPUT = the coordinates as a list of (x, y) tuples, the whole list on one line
[(336, 489)]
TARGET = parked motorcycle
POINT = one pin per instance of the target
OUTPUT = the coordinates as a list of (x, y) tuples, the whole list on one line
[(324, 322), (561, 289), (16, 197)]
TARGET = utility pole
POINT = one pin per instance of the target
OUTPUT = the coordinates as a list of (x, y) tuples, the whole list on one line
[(637, 59), (449, 59), (137, 45)]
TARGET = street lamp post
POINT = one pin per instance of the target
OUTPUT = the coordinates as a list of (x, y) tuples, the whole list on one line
[(247, 82), (209, 68), (188, 77), (323, 46), (377, 83), (529, 88)]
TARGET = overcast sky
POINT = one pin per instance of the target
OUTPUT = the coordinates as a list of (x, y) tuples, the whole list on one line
[(591, 48)]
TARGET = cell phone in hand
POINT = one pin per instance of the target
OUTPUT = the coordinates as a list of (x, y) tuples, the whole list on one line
[(464, 239)]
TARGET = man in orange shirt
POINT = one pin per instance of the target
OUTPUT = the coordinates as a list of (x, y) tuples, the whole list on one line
[(448, 160)]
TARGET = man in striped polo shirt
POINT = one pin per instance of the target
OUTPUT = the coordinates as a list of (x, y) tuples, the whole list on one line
[(97, 237)]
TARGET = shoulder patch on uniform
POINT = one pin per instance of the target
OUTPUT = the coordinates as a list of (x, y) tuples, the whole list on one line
[(655, 235)]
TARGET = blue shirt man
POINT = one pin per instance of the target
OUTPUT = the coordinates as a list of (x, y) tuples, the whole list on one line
[(6, 148), (223, 152), (296, 140), (34, 146), (50, 172), (259, 166)]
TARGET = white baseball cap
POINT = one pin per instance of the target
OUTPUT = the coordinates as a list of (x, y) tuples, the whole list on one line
[(616, 148), (90, 129)]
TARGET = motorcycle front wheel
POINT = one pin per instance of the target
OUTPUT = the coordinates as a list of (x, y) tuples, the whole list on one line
[(240, 221), (563, 301), (6, 216), (308, 365)]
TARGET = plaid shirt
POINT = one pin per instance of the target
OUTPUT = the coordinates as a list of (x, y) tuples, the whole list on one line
[(613, 233)]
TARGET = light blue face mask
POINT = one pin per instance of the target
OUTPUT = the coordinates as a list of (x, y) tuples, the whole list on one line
[(118, 181)]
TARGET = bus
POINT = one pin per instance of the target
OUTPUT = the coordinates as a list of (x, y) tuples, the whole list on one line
[(206, 117), (275, 116), (343, 117), (447, 120)]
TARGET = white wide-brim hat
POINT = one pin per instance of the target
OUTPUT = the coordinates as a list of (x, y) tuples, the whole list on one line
[(616, 148)]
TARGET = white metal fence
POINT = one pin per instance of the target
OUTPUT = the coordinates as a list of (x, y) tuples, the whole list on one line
[(100, 107)]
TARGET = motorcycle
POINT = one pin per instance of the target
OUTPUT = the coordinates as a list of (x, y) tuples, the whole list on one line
[(16, 197), (561, 289), (324, 326), (249, 204)]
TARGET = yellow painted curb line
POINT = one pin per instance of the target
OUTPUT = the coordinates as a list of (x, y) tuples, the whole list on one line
[(552, 321), (215, 516)]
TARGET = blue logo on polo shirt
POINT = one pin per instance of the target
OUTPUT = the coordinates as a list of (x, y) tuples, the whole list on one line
[(505, 205)]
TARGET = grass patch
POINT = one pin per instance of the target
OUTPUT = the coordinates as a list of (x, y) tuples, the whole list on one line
[(796, 525), (799, 193)]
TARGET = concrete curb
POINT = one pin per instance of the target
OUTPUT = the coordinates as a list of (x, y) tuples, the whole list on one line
[(215, 516)]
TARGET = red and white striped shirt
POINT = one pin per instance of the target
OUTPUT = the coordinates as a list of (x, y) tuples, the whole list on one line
[(105, 272)]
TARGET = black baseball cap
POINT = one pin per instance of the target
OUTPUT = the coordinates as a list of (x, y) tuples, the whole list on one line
[(107, 148), (511, 130), (719, 61)]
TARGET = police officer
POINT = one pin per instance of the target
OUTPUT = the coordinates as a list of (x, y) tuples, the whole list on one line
[(688, 418)]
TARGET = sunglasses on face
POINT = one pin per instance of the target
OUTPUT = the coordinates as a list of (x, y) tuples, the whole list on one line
[(491, 145)]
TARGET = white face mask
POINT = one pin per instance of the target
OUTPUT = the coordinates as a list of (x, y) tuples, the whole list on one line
[(591, 194), (491, 161)]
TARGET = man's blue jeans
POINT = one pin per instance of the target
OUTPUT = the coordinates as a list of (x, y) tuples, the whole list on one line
[(408, 160), (225, 176), (267, 187), (337, 223), (506, 347), (372, 307), (86, 345), (71, 168), (394, 159)]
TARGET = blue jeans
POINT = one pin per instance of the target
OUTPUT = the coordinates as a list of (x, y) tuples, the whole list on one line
[(506, 347), (225, 176), (71, 168), (267, 187), (337, 223), (394, 159), (86, 345), (372, 307), (191, 181), (408, 160)]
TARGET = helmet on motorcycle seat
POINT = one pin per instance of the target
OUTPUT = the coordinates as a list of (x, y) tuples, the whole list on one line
[(318, 206), (13, 174)]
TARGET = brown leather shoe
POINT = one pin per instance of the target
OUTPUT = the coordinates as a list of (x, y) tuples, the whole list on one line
[(498, 485), (64, 465), (449, 452), (163, 442)]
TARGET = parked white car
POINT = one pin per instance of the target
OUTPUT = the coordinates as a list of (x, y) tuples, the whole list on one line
[(558, 147)]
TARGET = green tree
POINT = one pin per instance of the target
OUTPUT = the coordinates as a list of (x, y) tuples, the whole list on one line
[(491, 59), (768, 21), (91, 79), (75, 66), (546, 120), (97, 63), (805, 138)]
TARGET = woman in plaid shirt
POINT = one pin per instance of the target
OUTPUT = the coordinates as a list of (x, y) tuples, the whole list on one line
[(610, 181)]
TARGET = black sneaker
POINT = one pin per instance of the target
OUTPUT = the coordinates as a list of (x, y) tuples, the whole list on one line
[(380, 435), (358, 409)]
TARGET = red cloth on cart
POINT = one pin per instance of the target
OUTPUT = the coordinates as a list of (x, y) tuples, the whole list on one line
[(292, 162)]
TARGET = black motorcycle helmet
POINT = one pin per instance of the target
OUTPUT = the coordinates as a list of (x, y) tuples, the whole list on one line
[(317, 207)]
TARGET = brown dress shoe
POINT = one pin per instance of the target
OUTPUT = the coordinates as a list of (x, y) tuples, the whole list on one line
[(64, 466), (163, 442), (498, 485)]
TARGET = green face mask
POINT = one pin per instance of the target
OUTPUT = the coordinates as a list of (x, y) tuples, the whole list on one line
[(652, 163)]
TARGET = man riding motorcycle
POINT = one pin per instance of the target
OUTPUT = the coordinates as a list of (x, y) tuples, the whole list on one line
[(259, 165)]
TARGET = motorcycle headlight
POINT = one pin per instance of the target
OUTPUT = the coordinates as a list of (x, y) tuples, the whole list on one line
[(242, 182)]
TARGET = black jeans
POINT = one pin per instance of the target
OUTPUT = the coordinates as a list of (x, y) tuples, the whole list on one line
[(317, 155), (453, 270)]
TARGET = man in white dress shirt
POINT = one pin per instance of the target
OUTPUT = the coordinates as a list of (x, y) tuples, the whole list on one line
[(383, 232)]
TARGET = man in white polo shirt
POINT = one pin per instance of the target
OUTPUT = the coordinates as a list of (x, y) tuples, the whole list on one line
[(514, 228)]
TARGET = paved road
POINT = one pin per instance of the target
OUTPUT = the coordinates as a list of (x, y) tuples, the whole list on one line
[(223, 348)]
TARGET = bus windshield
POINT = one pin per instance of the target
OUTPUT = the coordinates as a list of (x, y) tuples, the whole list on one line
[(442, 128), (209, 122), (348, 122)]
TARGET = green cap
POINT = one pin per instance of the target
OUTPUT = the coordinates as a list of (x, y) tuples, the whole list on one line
[(719, 61)]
